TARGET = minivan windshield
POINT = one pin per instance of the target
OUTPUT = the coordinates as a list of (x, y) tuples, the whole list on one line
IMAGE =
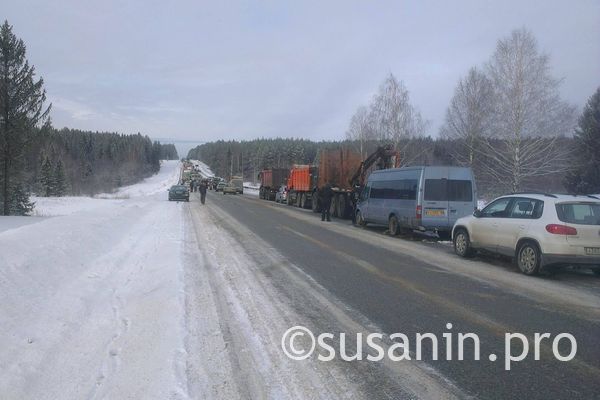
[(579, 213), (448, 190)]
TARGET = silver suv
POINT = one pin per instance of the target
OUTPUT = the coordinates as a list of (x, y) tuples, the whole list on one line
[(537, 230)]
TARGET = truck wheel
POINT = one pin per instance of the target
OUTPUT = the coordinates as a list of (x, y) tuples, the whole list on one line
[(528, 258), (462, 243), (393, 226)]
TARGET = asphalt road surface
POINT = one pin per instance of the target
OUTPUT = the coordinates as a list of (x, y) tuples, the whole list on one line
[(342, 278)]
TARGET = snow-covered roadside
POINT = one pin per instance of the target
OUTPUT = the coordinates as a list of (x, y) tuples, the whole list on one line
[(158, 183), (92, 302)]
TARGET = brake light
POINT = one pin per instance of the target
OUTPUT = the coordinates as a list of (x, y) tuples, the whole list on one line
[(556, 229), (419, 212)]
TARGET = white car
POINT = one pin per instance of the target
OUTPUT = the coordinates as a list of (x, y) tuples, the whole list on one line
[(537, 230)]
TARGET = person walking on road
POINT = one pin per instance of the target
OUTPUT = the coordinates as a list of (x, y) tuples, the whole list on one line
[(202, 189), (325, 196)]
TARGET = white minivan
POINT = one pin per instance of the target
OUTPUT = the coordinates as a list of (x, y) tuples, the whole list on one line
[(417, 198), (537, 230)]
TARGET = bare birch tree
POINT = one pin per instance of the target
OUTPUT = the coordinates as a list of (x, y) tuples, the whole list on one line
[(469, 115), (395, 119), (529, 115), (361, 129)]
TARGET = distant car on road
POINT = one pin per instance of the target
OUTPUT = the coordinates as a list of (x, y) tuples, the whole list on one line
[(537, 230), (238, 183), (220, 186), (179, 193), (281, 195), (230, 189)]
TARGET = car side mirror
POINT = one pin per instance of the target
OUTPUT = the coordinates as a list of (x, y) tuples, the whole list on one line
[(477, 213)]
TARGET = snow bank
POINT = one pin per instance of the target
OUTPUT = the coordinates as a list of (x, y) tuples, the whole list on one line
[(14, 222), (92, 301), (160, 182), (55, 206)]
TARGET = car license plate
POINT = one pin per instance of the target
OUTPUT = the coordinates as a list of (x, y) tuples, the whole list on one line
[(435, 213), (592, 251)]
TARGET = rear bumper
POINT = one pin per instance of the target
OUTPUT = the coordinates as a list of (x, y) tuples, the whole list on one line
[(550, 259)]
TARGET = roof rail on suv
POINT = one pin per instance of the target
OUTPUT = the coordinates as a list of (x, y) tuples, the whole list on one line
[(534, 192)]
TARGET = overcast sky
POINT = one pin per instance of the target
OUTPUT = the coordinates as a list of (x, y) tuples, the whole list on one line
[(206, 70)]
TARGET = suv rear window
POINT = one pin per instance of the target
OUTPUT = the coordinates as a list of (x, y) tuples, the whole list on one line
[(579, 213), (448, 190)]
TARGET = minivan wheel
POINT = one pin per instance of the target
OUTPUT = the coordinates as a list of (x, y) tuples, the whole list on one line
[(528, 258), (462, 243), (393, 226)]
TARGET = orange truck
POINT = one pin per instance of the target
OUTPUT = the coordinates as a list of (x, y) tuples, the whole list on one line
[(342, 168), (301, 183)]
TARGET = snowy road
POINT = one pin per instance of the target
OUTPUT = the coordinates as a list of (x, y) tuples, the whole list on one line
[(132, 296)]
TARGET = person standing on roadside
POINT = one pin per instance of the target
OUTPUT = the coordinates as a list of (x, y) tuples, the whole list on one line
[(202, 189), (325, 197)]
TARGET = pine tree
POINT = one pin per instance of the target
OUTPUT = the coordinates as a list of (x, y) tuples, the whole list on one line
[(60, 182), (21, 110), (46, 178), (585, 178)]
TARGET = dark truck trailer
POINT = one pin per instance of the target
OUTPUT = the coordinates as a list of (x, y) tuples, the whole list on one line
[(270, 181), (346, 172), (337, 167)]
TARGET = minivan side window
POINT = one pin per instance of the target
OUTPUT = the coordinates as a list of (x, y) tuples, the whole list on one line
[(448, 190), (402, 189), (377, 190), (497, 209)]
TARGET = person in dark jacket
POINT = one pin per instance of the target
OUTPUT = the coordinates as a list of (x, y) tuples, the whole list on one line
[(325, 201), (202, 189)]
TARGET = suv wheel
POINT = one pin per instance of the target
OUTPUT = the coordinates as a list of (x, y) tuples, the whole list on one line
[(393, 226), (462, 243), (528, 258)]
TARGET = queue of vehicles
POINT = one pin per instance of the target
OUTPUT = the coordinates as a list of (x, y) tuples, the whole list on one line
[(538, 231)]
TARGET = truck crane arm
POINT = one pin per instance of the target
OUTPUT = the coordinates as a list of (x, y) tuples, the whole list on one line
[(383, 156)]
